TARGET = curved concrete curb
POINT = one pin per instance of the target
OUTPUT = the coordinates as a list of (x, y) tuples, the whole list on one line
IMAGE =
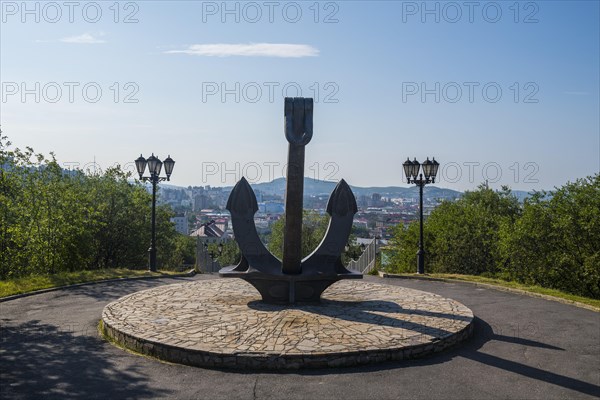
[(222, 324), (133, 278), (497, 287), (197, 358)]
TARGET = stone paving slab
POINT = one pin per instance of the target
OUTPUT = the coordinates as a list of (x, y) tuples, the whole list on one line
[(223, 323)]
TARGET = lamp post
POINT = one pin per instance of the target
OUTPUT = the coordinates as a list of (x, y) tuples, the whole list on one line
[(206, 256), (154, 167), (411, 170), (214, 256)]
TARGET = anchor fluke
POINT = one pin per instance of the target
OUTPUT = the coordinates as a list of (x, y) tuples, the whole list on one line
[(327, 258), (242, 199), (342, 200), (255, 257)]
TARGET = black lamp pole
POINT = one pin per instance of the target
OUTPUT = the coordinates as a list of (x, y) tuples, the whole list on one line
[(214, 256), (411, 169), (154, 167), (212, 261), (206, 256)]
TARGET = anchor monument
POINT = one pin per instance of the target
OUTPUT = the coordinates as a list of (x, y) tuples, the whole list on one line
[(292, 279)]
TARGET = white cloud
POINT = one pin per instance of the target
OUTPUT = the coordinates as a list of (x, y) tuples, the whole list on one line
[(283, 50), (85, 38)]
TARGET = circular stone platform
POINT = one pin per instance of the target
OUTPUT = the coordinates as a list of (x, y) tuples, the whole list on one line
[(223, 323)]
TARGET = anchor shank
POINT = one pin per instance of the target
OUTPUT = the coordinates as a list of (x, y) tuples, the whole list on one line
[(298, 113), (292, 239)]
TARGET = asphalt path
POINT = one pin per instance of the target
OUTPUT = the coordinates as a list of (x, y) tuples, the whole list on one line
[(523, 348)]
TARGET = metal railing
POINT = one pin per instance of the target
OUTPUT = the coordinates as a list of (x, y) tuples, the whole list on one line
[(364, 264), (366, 261), (204, 263)]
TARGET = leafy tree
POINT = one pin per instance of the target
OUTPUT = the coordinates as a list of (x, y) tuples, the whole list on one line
[(54, 220), (461, 236), (360, 231), (402, 248), (466, 232), (314, 226), (556, 242), (354, 249), (230, 255), (121, 220), (182, 251), (553, 240)]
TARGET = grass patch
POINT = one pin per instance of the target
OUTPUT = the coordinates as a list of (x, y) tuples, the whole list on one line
[(37, 282), (513, 285)]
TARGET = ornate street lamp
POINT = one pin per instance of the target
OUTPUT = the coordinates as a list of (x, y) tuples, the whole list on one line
[(154, 168), (411, 170)]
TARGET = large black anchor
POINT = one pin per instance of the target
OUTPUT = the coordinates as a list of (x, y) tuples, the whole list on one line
[(292, 279)]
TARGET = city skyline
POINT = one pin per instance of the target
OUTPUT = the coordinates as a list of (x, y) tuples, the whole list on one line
[(503, 92)]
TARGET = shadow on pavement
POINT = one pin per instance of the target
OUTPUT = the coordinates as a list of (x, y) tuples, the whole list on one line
[(523, 369), (366, 312), (41, 361), (471, 349), (110, 291)]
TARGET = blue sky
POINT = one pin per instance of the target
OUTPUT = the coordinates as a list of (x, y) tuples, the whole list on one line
[(503, 91)]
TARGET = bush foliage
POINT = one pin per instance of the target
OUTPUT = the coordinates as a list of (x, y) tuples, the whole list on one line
[(52, 220), (551, 240)]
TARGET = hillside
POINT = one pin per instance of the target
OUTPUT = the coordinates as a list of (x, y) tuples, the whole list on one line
[(316, 187)]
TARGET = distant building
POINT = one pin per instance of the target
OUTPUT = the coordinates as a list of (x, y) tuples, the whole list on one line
[(363, 223), (376, 200), (212, 231), (200, 202), (181, 223), (363, 201), (271, 207)]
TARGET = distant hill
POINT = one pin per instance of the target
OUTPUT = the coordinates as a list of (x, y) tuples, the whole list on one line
[(316, 187), (313, 187)]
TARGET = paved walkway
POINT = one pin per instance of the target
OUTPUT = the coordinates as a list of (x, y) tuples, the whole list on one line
[(523, 347), (224, 323)]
